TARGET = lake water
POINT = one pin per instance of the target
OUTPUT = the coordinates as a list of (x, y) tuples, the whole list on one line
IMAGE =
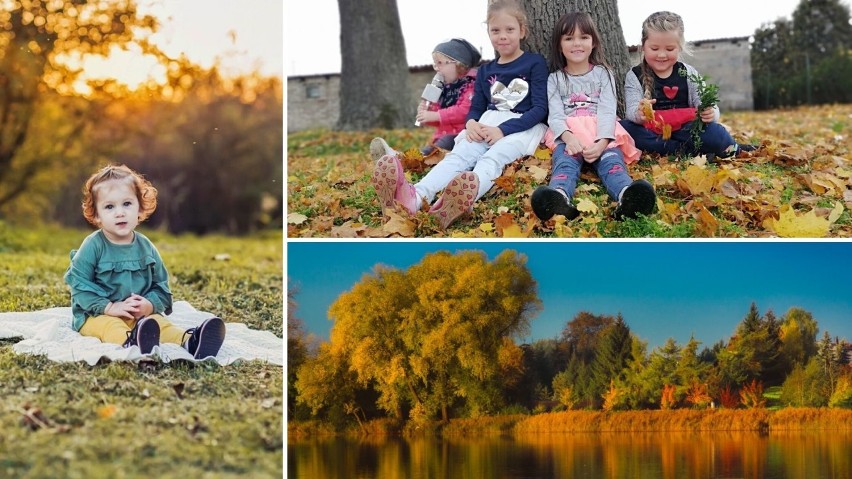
[(814, 455)]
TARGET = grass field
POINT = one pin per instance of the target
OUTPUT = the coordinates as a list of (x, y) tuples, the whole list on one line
[(127, 420), (798, 184)]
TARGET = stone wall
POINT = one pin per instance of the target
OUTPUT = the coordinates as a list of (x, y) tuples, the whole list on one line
[(313, 100)]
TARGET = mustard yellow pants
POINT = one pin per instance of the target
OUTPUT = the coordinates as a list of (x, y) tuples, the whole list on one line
[(111, 329)]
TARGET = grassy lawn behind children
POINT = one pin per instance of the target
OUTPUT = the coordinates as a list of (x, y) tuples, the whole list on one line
[(129, 420)]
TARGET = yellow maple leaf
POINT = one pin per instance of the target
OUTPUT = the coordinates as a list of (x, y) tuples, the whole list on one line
[(586, 206), (398, 224), (539, 174), (486, 227), (588, 188), (791, 225), (514, 231), (542, 153), (696, 180), (561, 228)]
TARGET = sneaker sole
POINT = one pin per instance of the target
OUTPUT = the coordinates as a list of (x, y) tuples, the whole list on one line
[(148, 335), (637, 200), (457, 199), (378, 149), (385, 179), (211, 335), (547, 202)]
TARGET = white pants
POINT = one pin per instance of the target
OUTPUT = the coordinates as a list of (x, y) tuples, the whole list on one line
[(486, 161)]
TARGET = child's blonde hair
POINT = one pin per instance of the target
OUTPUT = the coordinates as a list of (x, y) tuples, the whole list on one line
[(661, 22), (146, 194), (513, 8)]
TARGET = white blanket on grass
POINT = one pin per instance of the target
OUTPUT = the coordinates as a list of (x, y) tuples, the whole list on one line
[(48, 332)]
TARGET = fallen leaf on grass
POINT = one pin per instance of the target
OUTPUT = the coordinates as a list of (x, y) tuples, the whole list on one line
[(412, 160), (398, 224), (543, 153), (107, 411), (34, 419), (695, 181), (350, 229), (585, 205), (514, 231), (296, 218), (538, 174), (729, 188), (506, 183), (836, 212), (707, 224), (791, 225)]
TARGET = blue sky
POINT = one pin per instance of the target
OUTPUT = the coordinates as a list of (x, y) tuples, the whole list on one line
[(662, 289)]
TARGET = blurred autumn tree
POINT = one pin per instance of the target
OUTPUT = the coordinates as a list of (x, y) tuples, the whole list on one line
[(212, 145), (34, 37), (430, 339), (804, 60)]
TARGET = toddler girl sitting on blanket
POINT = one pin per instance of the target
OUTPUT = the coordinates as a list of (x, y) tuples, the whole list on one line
[(119, 285)]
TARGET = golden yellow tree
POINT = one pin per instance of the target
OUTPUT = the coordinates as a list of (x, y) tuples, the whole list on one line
[(435, 334)]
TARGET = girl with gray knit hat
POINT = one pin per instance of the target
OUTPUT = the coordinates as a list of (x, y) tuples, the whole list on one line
[(455, 62)]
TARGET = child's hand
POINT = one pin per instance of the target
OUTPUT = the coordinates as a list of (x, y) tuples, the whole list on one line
[(143, 306), (708, 114), (492, 134), (426, 116), (121, 310), (572, 143), (646, 109), (474, 132), (594, 151)]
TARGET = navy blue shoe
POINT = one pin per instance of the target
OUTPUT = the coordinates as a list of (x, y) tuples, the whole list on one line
[(547, 202), (145, 335), (206, 339), (638, 198)]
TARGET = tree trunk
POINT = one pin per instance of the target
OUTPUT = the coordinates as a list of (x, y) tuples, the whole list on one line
[(374, 72), (543, 14)]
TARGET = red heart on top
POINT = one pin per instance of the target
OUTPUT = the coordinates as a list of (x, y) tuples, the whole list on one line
[(670, 92)]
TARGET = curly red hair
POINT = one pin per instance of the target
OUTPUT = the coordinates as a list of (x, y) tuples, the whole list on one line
[(146, 194)]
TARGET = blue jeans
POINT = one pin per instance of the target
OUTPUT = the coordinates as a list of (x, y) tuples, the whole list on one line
[(610, 168), (714, 139)]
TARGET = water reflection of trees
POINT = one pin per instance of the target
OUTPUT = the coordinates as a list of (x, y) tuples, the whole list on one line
[(627, 455)]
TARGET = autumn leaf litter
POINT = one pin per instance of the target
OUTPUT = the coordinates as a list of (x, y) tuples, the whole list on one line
[(797, 184)]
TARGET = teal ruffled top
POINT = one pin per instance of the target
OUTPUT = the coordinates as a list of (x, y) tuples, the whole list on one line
[(102, 272)]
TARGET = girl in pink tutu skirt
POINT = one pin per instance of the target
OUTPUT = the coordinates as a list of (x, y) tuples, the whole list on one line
[(582, 104)]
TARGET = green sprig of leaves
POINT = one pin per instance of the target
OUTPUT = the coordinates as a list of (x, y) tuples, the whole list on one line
[(708, 94)]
